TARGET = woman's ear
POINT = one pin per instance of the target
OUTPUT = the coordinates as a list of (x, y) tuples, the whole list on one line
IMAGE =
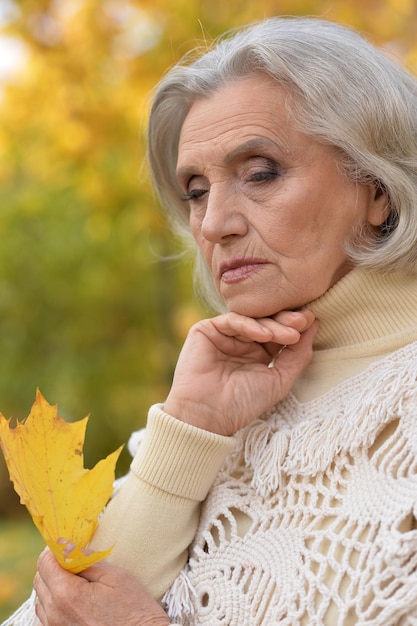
[(379, 205)]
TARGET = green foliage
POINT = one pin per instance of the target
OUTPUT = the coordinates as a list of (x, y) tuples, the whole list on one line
[(89, 311), (20, 545), (88, 306)]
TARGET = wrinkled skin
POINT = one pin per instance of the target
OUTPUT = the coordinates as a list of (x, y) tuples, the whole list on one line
[(236, 383), (103, 595)]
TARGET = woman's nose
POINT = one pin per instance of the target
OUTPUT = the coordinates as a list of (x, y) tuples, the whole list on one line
[(223, 217)]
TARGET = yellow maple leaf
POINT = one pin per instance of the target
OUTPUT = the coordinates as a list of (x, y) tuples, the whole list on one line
[(44, 456)]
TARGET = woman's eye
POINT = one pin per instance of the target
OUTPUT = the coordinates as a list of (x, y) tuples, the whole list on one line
[(195, 188), (263, 175), (193, 194), (261, 169)]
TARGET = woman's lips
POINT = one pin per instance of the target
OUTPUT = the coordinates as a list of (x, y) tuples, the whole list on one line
[(239, 269)]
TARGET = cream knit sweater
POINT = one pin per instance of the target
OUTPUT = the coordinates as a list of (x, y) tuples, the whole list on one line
[(309, 513)]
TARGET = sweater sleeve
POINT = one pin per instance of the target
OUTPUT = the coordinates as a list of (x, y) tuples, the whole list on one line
[(152, 519)]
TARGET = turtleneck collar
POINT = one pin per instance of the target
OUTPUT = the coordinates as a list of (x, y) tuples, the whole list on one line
[(364, 317), (364, 306)]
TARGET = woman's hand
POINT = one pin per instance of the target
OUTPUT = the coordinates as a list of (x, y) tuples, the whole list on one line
[(102, 595), (227, 374)]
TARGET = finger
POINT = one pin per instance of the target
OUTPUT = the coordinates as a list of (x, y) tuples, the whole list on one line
[(279, 324), (48, 567), (51, 576), (299, 320), (96, 572), (280, 334), (40, 614), (241, 327), (297, 356), (44, 557), (248, 329), (41, 597), (39, 586), (41, 589)]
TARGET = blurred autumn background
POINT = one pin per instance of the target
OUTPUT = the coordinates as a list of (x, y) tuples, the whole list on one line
[(93, 304)]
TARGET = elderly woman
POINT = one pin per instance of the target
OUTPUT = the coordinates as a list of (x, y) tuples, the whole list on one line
[(277, 484)]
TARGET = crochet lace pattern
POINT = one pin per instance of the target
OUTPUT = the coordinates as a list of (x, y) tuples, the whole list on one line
[(312, 519)]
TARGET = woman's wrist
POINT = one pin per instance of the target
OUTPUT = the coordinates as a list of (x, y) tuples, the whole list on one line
[(196, 416)]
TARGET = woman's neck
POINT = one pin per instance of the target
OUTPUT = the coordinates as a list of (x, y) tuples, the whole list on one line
[(365, 306), (363, 318)]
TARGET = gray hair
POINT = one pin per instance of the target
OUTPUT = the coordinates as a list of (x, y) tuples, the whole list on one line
[(344, 92)]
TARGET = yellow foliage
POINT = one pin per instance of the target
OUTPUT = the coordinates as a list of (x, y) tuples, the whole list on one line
[(44, 456)]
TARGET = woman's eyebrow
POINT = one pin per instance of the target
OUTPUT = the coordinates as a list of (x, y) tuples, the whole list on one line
[(254, 144), (182, 173), (251, 145)]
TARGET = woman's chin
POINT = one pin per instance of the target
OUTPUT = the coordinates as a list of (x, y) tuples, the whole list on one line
[(252, 309)]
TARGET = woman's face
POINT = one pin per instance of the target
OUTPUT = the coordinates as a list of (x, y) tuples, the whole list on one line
[(269, 206)]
